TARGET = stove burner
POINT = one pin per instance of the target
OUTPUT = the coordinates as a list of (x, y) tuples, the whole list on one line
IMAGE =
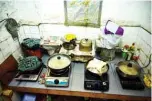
[(29, 76), (64, 74), (133, 84), (92, 82), (58, 80)]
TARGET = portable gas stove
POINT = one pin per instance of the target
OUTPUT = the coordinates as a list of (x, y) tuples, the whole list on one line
[(92, 82), (58, 80), (33, 76), (133, 84)]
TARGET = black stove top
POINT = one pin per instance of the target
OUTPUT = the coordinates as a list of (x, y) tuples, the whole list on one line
[(132, 84), (66, 73), (95, 82), (29, 76)]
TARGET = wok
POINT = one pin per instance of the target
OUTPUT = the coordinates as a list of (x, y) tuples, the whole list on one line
[(128, 69)]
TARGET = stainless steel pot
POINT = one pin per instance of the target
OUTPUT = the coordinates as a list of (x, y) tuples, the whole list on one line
[(59, 63)]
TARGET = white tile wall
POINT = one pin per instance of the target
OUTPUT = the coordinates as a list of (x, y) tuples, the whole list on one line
[(4, 44), (17, 54), (143, 57), (1, 57), (130, 35), (7, 45), (34, 30), (144, 42), (6, 52), (26, 29), (145, 36)]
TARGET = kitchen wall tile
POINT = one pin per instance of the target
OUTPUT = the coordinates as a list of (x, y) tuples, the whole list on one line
[(17, 54), (140, 62), (20, 38), (34, 29), (28, 35), (130, 35), (21, 31), (142, 57), (10, 40), (6, 52), (35, 36), (143, 46), (41, 28), (16, 44), (46, 27), (1, 57), (79, 31), (2, 26), (4, 35), (27, 29), (93, 33), (4, 45), (145, 36)]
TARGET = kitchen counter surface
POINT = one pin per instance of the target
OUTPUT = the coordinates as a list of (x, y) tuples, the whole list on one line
[(76, 86)]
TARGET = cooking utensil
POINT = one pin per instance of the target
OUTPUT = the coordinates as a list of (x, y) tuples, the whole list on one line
[(59, 63), (105, 54), (128, 69), (85, 45), (70, 45), (97, 67)]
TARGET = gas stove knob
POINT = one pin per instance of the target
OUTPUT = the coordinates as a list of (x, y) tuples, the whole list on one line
[(56, 81), (104, 83)]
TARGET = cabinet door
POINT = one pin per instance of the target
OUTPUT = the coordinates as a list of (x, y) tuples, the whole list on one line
[(8, 69)]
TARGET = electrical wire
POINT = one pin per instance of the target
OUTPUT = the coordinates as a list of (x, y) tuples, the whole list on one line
[(2, 20)]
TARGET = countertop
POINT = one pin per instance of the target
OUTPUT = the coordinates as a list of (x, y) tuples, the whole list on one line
[(76, 86)]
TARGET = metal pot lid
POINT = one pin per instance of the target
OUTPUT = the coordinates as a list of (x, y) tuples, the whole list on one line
[(128, 68), (86, 42), (59, 61), (98, 67)]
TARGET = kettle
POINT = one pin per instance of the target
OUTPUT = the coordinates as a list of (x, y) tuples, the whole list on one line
[(85, 45)]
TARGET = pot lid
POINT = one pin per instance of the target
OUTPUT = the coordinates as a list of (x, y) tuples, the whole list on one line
[(128, 68), (59, 61), (86, 41)]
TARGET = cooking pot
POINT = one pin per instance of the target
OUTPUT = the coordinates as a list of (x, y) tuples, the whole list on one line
[(105, 54), (85, 45), (69, 45), (97, 67), (128, 69), (59, 63)]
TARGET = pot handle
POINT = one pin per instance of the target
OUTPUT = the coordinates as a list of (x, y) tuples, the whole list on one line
[(107, 66)]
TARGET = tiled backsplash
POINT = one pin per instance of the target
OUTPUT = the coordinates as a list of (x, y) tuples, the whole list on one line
[(131, 35), (144, 43), (8, 46), (136, 35)]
